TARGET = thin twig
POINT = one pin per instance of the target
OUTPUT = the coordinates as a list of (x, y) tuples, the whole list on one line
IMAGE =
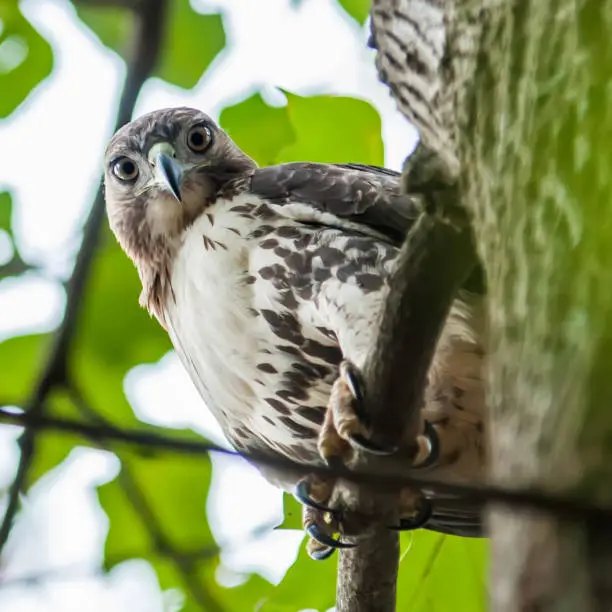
[(149, 24), (567, 507), (15, 267)]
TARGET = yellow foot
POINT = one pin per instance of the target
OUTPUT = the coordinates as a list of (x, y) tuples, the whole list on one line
[(344, 426), (320, 522)]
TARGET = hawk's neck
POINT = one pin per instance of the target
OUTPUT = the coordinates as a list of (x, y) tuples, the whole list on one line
[(156, 288)]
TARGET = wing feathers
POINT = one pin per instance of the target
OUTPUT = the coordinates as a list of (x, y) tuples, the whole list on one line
[(363, 195)]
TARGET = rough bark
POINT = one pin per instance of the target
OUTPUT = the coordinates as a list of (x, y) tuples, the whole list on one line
[(537, 156), (367, 575), (517, 93)]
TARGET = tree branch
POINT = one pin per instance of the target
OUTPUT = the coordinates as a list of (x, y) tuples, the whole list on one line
[(367, 575), (148, 25), (435, 259), (567, 507), (15, 267)]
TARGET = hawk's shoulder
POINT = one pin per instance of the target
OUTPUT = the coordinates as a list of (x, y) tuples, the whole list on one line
[(364, 195)]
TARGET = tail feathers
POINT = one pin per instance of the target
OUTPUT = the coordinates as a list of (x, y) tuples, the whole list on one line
[(457, 517)]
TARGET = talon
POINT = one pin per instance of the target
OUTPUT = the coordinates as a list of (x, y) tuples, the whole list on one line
[(332, 448), (422, 517), (344, 427), (317, 551), (367, 445), (430, 436), (354, 381), (315, 533), (302, 494)]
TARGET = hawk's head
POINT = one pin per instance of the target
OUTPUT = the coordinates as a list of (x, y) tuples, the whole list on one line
[(161, 170)]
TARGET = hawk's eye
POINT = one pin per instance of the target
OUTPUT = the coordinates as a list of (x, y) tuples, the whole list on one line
[(125, 169), (199, 138)]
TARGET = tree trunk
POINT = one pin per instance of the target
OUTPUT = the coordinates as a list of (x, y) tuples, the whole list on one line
[(516, 95)]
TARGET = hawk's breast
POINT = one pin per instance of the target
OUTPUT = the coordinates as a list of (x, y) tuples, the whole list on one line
[(244, 326)]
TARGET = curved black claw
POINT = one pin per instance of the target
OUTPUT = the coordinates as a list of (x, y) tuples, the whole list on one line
[(321, 554), (302, 494), (354, 380), (316, 534), (434, 447), (369, 446), (421, 519)]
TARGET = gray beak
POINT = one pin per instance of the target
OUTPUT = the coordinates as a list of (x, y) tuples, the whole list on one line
[(171, 172)]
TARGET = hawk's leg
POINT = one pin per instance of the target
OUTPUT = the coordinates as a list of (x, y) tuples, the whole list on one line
[(321, 523), (326, 524), (415, 510), (344, 425)]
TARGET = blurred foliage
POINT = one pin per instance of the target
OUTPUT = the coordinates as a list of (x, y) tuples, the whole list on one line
[(292, 513), (21, 358), (6, 213), (317, 128), (25, 57), (358, 9), (186, 31), (13, 265), (156, 505), (260, 130), (438, 573)]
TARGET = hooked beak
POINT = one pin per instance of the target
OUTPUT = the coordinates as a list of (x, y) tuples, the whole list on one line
[(167, 170), (171, 172)]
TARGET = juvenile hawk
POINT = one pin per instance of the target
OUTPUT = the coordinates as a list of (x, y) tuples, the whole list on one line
[(266, 279)]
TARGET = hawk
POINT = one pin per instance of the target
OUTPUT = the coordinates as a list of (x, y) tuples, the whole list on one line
[(269, 282)]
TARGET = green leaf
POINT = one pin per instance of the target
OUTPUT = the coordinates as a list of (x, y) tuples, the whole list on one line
[(292, 513), (317, 128), (101, 384), (333, 129), (52, 446), (438, 573), (357, 9), (112, 25), (167, 492), (21, 358), (13, 265), (157, 505), (307, 585), (6, 212), (25, 57), (261, 131), (113, 325), (249, 595), (115, 334), (191, 41)]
